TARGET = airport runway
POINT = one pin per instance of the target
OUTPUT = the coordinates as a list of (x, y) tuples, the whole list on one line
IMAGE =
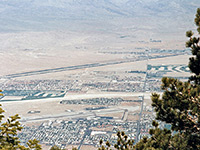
[(92, 65)]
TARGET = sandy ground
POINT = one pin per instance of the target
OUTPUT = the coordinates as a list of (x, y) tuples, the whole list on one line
[(29, 51), (52, 107)]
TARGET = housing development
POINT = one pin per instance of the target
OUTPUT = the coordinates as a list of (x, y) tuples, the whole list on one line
[(78, 71), (93, 103)]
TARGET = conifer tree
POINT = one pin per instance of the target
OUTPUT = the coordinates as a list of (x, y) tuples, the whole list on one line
[(178, 106), (194, 44), (8, 134)]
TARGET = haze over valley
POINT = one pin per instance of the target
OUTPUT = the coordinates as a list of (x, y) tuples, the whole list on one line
[(86, 68)]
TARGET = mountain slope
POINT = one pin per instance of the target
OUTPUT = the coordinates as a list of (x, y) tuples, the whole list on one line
[(22, 15)]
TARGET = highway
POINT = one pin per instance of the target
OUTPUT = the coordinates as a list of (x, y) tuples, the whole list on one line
[(92, 65), (142, 104)]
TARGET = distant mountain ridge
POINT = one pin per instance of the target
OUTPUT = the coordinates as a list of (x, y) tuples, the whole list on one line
[(25, 14)]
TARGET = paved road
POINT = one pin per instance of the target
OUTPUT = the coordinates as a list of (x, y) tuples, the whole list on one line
[(87, 132), (92, 65), (142, 104)]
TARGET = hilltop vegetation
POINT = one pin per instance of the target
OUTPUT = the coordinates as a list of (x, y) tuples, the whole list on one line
[(178, 106)]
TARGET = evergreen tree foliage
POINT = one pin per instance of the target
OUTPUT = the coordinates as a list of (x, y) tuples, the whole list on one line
[(123, 143), (178, 106), (8, 134), (194, 44), (55, 148), (58, 148)]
